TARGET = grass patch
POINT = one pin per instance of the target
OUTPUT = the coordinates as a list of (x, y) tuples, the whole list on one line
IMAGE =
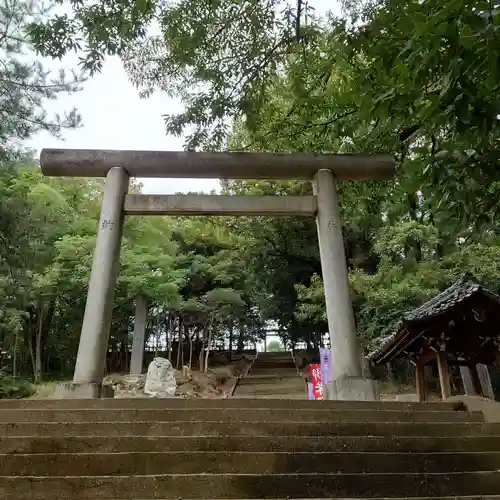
[(15, 388), (44, 390)]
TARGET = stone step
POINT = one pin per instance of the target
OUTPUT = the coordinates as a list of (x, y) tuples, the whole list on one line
[(274, 354), (271, 356), (274, 362), (268, 380), (461, 497), (232, 486), (269, 389), (278, 383), (153, 403), (155, 463), (265, 368), (273, 366), (239, 443), (279, 364), (274, 374), (288, 365), (274, 377), (277, 396), (234, 415), (128, 444), (271, 393), (290, 385), (229, 428)]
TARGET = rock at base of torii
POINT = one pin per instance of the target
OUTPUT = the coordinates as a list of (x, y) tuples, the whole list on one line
[(160, 380)]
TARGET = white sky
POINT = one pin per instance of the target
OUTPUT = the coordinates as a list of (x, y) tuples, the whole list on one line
[(114, 117)]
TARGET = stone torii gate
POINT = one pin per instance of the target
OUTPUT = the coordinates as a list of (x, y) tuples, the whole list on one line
[(118, 166)]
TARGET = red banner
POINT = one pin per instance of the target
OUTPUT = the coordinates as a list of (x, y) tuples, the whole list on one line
[(317, 381)]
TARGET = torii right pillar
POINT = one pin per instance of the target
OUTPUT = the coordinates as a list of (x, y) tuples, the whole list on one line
[(347, 367)]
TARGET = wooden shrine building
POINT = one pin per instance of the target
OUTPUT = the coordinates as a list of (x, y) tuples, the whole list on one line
[(460, 326)]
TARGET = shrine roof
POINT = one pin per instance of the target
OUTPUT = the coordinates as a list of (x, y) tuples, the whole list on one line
[(413, 324)]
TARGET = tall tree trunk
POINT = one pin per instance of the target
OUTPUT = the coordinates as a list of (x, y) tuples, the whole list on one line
[(47, 325), (209, 342), (413, 212), (231, 342), (32, 356), (241, 338), (179, 347), (168, 330), (155, 333), (191, 351), (31, 334), (14, 360), (183, 352), (38, 348), (202, 351)]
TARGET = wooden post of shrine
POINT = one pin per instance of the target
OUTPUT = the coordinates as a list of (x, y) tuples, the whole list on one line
[(476, 381), (444, 375), (420, 381)]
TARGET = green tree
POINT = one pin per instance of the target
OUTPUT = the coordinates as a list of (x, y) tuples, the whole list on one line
[(419, 79), (275, 346), (31, 213), (24, 83), (218, 57)]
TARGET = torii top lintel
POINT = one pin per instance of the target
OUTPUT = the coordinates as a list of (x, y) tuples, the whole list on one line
[(176, 164)]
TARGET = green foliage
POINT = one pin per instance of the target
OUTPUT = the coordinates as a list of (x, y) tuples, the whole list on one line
[(15, 388), (24, 83), (415, 78), (217, 57), (190, 271), (275, 346)]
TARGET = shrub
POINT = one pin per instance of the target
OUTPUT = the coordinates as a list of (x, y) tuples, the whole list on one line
[(15, 388)]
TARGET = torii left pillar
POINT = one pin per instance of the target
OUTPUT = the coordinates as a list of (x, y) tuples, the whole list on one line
[(91, 358), (139, 337)]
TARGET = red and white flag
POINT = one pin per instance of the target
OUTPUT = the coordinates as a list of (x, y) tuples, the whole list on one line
[(317, 381)]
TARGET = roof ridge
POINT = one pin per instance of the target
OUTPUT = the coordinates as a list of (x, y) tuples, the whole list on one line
[(457, 285)]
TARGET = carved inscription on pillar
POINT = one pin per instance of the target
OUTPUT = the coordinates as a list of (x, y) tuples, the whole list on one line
[(107, 224), (331, 224)]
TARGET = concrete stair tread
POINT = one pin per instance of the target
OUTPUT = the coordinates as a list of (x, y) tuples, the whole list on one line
[(242, 414), (241, 428), (231, 486), (233, 402), (278, 378), (259, 390), (127, 444), (280, 386), (470, 474), (288, 390), (454, 497), (297, 397), (265, 463), (344, 455)]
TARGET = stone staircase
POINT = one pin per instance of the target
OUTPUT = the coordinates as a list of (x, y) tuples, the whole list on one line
[(273, 375), (244, 449)]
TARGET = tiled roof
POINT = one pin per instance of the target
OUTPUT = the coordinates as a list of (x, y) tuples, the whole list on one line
[(464, 288)]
